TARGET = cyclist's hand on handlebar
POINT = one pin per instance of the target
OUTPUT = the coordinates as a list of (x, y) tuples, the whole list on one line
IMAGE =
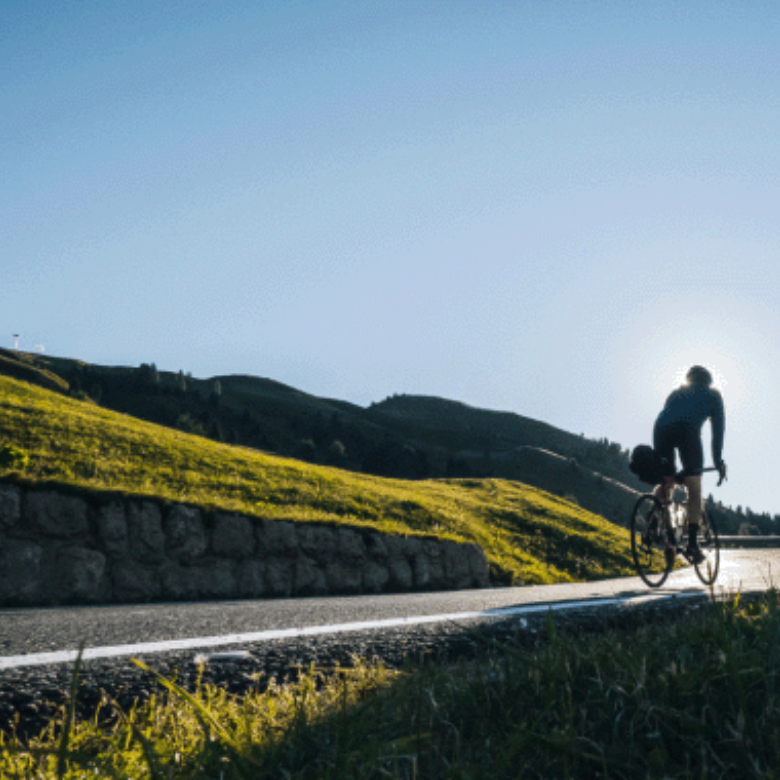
[(722, 472)]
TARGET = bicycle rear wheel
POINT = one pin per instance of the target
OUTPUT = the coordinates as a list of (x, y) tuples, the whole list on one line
[(648, 541), (709, 544)]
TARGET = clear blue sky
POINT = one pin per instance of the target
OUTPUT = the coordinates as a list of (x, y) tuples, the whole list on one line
[(545, 207)]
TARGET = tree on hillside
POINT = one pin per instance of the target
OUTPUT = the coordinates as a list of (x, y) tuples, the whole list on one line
[(391, 459), (336, 453), (185, 422), (216, 394), (147, 377), (307, 451)]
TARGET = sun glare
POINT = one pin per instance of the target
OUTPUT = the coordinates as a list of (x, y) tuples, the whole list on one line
[(732, 345), (732, 341), (718, 379), (725, 368)]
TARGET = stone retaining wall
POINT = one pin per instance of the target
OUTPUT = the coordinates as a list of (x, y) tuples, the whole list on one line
[(57, 548)]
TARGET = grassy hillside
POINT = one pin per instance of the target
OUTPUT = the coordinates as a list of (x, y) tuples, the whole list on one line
[(23, 366), (402, 436), (528, 535)]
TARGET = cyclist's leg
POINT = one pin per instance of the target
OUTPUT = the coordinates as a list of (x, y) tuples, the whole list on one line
[(666, 439), (693, 483), (692, 457), (664, 493), (665, 442)]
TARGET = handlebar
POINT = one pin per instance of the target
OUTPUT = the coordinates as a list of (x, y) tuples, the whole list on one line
[(681, 475), (722, 473)]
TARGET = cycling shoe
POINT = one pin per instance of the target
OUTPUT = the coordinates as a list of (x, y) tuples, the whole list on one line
[(695, 555)]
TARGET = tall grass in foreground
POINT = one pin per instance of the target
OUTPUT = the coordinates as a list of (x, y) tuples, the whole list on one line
[(697, 698)]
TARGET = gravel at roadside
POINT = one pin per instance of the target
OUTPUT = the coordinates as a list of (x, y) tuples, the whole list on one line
[(31, 696)]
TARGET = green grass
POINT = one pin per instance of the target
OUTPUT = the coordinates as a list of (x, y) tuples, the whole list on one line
[(694, 698), (22, 366), (529, 536)]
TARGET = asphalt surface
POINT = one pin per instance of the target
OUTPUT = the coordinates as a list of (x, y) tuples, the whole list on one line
[(33, 631)]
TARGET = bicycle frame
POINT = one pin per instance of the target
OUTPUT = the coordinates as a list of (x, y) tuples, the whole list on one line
[(677, 521), (659, 534)]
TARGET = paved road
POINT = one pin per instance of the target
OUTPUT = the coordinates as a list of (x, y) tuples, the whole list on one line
[(28, 632)]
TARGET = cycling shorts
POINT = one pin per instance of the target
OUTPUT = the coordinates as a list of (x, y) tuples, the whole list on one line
[(686, 440)]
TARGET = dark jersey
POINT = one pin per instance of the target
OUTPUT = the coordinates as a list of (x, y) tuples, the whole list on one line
[(690, 407)]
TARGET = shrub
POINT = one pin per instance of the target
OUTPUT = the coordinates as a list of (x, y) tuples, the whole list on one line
[(13, 458), (185, 422), (337, 453)]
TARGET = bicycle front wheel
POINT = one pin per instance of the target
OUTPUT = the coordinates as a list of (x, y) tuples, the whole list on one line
[(709, 544), (648, 541)]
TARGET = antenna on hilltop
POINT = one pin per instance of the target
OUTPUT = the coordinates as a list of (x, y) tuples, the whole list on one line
[(16, 342)]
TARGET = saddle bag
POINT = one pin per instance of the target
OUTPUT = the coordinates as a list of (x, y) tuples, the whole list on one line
[(647, 464)]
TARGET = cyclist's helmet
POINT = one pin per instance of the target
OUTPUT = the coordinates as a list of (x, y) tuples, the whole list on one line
[(698, 375)]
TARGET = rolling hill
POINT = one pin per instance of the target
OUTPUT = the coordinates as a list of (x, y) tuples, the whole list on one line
[(403, 436), (528, 535)]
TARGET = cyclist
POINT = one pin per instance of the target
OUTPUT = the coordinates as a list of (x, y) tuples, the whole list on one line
[(678, 427)]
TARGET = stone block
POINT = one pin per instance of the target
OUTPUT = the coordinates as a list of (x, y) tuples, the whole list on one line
[(423, 573), (79, 577), (185, 534), (21, 581), (401, 575), (480, 570), (343, 579), (434, 553), (56, 515), (277, 538), (376, 547), (375, 577), (309, 578), (10, 506), (403, 546), (179, 583), (457, 569), (133, 582), (233, 537), (144, 524), (250, 578), (279, 574), (216, 579), (317, 541), (395, 546), (350, 546), (112, 528)]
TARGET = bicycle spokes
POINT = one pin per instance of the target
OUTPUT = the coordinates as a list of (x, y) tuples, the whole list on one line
[(707, 570), (651, 546)]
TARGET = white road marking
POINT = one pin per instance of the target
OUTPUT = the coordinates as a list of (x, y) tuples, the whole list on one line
[(144, 648)]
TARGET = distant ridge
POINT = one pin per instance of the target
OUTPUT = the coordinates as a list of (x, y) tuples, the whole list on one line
[(506, 429)]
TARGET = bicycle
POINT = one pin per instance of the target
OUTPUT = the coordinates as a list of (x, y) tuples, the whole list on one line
[(658, 537)]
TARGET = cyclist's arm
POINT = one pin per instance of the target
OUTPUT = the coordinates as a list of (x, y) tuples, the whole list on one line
[(718, 422)]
